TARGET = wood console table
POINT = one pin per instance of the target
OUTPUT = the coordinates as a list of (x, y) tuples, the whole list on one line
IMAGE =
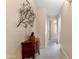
[(29, 49)]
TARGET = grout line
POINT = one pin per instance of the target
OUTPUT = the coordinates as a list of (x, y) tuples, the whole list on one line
[(63, 52)]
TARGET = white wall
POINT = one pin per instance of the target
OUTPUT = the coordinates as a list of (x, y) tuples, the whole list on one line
[(15, 35), (59, 28), (40, 26), (66, 29), (48, 29)]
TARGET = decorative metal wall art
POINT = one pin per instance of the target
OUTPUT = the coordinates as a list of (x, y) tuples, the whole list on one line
[(27, 15)]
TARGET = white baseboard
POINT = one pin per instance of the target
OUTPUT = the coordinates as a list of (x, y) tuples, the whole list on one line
[(12, 57), (64, 53)]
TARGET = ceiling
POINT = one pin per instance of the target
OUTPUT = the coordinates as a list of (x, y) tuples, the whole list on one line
[(52, 7)]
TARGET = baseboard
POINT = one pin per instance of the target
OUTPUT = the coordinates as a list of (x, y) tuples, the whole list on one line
[(64, 52), (13, 57), (10, 57)]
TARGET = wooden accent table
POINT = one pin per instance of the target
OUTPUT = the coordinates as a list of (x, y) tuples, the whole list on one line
[(29, 49)]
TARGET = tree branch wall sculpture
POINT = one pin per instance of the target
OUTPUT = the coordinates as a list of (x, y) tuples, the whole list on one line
[(27, 15)]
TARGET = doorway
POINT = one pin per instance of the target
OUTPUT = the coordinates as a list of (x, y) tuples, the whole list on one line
[(53, 30)]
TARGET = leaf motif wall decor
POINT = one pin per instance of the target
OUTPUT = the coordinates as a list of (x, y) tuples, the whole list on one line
[(27, 15)]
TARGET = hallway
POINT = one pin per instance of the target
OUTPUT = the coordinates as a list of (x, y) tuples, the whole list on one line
[(33, 16), (52, 52)]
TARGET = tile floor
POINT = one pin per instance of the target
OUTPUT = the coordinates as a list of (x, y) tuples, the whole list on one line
[(52, 52)]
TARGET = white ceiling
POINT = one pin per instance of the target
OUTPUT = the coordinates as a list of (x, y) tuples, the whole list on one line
[(52, 6)]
